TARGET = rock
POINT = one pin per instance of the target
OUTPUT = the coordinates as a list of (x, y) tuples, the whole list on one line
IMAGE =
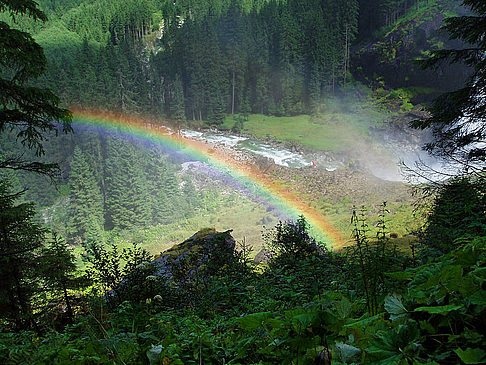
[(263, 257), (202, 255), (391, 57), (263, 163)]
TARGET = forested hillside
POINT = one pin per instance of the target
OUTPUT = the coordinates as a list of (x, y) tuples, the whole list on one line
[(199, 60), (110, 182)]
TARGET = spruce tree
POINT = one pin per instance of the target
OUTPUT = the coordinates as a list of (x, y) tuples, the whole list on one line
[(127, 192), (86, 201), (178, 108), (58, 270), (32, 111), (458, 118), (20, 241), (162, 188)]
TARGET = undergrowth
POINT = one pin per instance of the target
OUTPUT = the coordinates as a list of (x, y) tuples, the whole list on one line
[(367, 304)]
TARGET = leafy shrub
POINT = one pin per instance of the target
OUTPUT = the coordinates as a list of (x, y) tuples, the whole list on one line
[(290, 241), (458, 214), (369, 260), (120, 276)]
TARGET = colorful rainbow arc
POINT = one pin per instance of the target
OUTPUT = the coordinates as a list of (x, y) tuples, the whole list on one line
[(242, 173)]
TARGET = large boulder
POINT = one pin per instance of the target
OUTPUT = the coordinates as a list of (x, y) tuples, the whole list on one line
[(179, 275), (199, 258)]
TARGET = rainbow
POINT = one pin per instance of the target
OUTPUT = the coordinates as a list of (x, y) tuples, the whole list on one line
[(244, 174)]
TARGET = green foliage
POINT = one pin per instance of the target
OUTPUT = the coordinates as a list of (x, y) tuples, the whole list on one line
[(57, 267), (271, 318), (20, 241), (373, 259), (86, 201), (127, 195), (29, 111), (457, 215), (207, 59), (291, 242), (457, 117), (120, 276), (258, 61)]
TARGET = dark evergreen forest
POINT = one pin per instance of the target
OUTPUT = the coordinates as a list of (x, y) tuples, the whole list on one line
[(108, 182), (198, 60)]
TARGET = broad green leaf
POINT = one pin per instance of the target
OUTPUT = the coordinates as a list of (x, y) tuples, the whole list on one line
[(304, 318), (442, 309), (450, 275), (394, 306), (478, 298), (253, 321), (347, 353), (383, 345), (343, 308), (467, 256), (273, 323), (480, 274), (471, 356), (364, 321), (468, 286), (389, 344)]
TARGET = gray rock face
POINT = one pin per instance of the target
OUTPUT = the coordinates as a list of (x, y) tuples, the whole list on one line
[(263, 257), (197, 258)]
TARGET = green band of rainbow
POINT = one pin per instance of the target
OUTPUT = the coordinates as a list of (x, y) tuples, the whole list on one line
[(245, 174)]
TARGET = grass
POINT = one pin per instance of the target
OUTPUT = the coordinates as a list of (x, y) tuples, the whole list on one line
[(246, 222), (334, 129)]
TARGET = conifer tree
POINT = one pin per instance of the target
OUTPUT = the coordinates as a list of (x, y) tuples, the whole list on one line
[(32, 111), (178, 108), (86, 201), (92, 146), (58, 270), (162, 188), (20, 240), (458, 118), (127, 193)]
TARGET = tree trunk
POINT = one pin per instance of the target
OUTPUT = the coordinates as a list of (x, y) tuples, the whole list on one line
[(233, 96), (345, 55), (70, 312)]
